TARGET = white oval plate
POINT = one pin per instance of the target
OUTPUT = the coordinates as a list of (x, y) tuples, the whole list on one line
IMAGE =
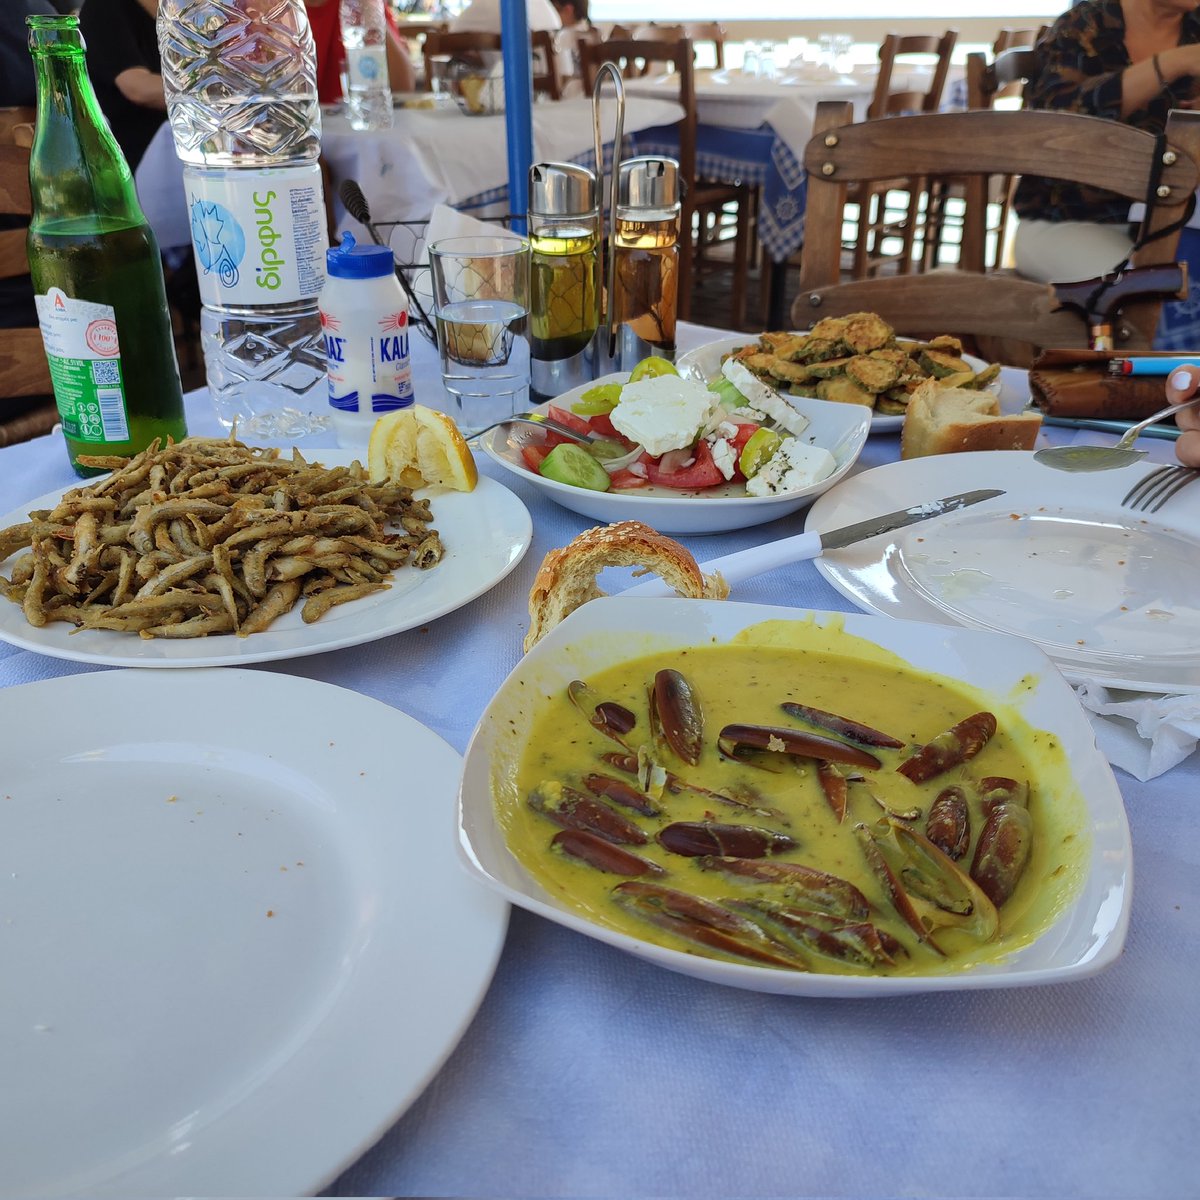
[(485, 533), (1087, 936), (1109, 594), (237, 942), (704, 363), (841, 428)]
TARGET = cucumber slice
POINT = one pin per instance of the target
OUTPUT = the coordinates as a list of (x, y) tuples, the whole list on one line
[(573, 465)]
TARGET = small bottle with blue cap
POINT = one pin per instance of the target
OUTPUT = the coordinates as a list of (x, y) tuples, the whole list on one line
[(364, 323)]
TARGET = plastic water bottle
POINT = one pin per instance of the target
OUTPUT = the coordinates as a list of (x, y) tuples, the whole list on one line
[(365, 318), (240, 81), (368, 92)]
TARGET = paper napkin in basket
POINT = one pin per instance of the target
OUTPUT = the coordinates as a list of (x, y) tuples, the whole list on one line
[(1142, 733), (446, 222)]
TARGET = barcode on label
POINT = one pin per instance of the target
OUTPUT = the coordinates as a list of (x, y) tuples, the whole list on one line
[(112, 414), (106, 373)]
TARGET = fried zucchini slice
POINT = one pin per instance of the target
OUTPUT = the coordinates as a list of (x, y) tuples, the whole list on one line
[(818, 349), (892, 404), (791, 372), (873, 375), (984, 377), (961, 379), (843, 390), (831, 328), (866, 331), (947, 343), (754, 359), (827, 369), (940, 364), (807, 390), (789, 346), (892, 354)]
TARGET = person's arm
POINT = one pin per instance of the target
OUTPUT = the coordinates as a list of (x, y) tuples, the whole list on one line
[(1182, 384), (400, 69), (139, 85)]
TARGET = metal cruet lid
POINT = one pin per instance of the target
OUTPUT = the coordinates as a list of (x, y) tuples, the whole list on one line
[(648, 182), (561, 190)]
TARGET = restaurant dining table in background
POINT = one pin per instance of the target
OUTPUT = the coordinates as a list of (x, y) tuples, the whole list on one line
[(430, 156), (588, 1072)]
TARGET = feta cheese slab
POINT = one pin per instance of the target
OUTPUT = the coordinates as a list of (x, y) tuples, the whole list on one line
[(791, 468), (764, 399), (664, 412)]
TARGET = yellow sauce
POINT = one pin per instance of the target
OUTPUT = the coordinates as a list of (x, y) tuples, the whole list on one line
[(745, 682)]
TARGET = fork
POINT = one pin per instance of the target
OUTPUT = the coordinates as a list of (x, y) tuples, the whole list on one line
[(1158, 487)]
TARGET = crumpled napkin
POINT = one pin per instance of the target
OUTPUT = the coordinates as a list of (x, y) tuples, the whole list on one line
[(1141, 733)]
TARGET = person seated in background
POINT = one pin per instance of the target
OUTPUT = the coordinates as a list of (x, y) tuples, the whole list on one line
[(1181, 385), (483, 16), (326, 27), (1125, 60), (126, 71)]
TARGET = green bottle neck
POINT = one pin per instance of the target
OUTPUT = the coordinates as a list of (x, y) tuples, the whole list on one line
[(79, 178)]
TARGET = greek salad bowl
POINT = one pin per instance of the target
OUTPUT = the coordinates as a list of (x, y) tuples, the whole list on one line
[(840, 429)]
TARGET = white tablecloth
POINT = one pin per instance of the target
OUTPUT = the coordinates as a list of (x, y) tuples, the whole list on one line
[(590, 1073), (428, 157)]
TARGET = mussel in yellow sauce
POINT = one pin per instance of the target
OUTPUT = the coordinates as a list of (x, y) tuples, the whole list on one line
[(825, 811)]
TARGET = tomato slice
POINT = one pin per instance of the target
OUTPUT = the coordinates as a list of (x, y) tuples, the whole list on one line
[(534, 452), (571, 420), (625, 480), (703, 473), (601, 425)]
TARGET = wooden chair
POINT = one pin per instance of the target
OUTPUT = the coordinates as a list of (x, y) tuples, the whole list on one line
[(698, 194), (975, 146), (708, 32), (1003, 79), (1012, 39), (882, 217), (24, 371), (468, 44)]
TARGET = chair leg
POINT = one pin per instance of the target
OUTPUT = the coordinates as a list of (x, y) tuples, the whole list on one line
[(741, 258)]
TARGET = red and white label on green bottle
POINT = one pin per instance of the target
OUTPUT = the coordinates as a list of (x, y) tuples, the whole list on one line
[(85, 366)]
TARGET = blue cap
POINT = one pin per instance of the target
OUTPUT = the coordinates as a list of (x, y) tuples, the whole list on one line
[(352, 261)]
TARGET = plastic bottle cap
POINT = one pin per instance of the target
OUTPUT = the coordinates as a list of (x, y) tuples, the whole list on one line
[(352, 261)]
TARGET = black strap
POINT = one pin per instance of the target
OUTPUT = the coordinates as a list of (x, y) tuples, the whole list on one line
[(1144, 236)]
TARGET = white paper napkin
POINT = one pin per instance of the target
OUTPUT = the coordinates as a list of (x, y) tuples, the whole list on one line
[(1141, 733)]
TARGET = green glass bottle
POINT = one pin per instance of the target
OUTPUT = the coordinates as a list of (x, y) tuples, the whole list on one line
[(95, 264)]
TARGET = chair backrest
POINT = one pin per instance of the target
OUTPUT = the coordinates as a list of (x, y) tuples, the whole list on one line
[(464, 44), (891, 99), (634, 58), (456, 44), (1010, 39), (1002, 78), (24, 370), (973, 147), (708, 32), (547, 81)]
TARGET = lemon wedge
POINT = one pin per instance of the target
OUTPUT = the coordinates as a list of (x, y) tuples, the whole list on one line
[(419, 447)]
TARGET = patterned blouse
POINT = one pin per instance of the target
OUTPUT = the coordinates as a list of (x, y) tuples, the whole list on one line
[(1083, 55)]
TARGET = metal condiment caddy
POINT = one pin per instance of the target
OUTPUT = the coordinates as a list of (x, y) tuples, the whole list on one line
[(602, 304)]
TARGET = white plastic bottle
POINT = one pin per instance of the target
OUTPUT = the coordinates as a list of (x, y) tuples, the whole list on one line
[(241, 87), (364, 316), (368, 91)]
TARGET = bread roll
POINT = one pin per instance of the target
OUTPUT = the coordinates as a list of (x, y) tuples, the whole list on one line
[(947, 420), (567, 576)]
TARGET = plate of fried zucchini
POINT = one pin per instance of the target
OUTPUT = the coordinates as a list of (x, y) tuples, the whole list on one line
[(856, 359)]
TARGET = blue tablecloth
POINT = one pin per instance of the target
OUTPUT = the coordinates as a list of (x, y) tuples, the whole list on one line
[(752, 156)]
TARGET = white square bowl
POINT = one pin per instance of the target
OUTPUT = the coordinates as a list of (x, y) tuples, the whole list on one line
[(1085, 937)]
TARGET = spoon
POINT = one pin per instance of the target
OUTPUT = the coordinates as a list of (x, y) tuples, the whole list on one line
[(1105, 458), (612, 464)]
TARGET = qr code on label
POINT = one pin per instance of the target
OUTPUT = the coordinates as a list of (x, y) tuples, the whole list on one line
[(106, 372)]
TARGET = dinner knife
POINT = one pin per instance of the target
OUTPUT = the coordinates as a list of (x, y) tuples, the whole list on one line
[(744, 564)]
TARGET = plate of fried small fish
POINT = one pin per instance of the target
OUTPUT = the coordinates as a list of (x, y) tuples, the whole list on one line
[(856, 359), (208, 552)]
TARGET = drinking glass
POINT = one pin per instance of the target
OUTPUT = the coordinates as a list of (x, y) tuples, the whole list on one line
[(481, 303)]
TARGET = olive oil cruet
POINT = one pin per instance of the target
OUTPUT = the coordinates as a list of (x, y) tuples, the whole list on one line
[(564, 244)]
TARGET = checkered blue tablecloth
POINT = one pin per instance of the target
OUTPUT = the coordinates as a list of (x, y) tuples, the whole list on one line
[(753, 156)]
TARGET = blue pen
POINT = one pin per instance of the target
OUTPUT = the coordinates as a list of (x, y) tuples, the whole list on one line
[(1163, 364)]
